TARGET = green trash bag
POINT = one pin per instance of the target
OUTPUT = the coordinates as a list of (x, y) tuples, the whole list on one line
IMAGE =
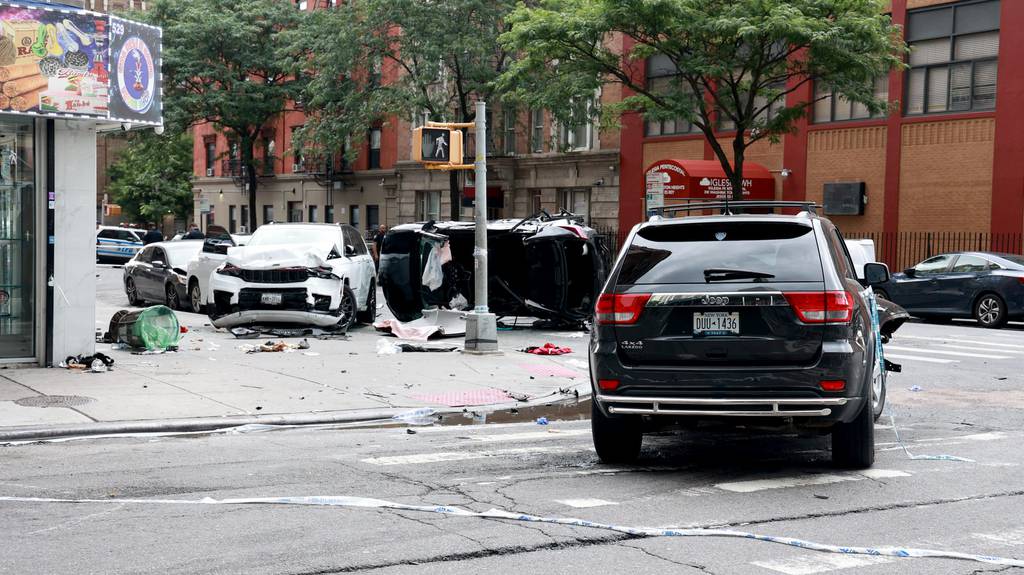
[(153, 328)]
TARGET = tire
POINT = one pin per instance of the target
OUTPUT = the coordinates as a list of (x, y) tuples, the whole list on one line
[(370, 314), (347, 308), (882, 294), (878, 381), (132, 291), (195, 297), (171, 298), (853, 444), (990, 311), (616, 439)]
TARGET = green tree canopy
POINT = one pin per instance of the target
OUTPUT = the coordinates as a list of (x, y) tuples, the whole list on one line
[(724, 62), (153, 176), (225, 63)]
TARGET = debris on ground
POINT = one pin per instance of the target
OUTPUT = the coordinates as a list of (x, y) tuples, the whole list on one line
[(410, 431), (434, 323), (410, 348), (548, 349), (153, 328), (260, 331), (542, 421), (517, 395), (916, 388), (97, 363), (272, 346), (385, 347)]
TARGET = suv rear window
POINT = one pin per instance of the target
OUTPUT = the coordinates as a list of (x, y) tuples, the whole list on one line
[(679, 253)]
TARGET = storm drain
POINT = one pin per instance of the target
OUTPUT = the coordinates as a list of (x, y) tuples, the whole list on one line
[(54, 401)]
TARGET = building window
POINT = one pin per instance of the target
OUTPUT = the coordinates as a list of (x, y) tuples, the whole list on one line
[(537, 131), (328, 214), (428, 206), (298, 161), (211, 154), (832, 107), (232, 220), (312, 214), (375, 148), (575, 201), (353, 216), (953, 58), (536, 201), (662, 77), (294, 212), (245, 220), (372, 218), (268, 214), (726, 124), (577, 136), (509, 134)]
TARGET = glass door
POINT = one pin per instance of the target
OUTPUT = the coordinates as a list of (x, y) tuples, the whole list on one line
[(17, 239)]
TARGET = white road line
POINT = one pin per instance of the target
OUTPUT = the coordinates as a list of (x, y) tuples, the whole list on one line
[(1014, 537), (818, 563), (805, 480), (957, 346), (958, 340), (585, 503), (441, 456), (943, 352), (530, 435), (918, 358)]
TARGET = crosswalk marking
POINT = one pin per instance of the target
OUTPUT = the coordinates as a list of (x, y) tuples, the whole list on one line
[(1014, 537), (819, 563), (530, 435), (943, 352), (443, 456), (808, 479), (918, 358), (585, 503), (980, 348), (958, 340)]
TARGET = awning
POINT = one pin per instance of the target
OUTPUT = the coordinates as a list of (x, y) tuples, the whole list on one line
[(705, 179)]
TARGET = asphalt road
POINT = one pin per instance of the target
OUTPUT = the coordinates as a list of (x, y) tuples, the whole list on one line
[(968, 403)]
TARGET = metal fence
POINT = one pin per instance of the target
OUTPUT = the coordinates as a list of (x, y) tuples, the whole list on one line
[(899, 250)]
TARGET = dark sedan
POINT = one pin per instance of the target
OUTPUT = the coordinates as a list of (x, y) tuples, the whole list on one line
[(986, 286), (157, 273)]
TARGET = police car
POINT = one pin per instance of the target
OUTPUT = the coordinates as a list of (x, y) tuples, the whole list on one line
[(121, 244)]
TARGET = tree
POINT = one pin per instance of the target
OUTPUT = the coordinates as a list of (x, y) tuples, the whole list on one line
[(153, 176), (730, 62), (403, 57), (224, 64)]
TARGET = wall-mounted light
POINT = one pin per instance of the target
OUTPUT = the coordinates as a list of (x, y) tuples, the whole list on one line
[(612, 168), (222, 196), (599, 182)]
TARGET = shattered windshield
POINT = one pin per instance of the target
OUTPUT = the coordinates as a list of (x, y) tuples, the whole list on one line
[(294, 235)]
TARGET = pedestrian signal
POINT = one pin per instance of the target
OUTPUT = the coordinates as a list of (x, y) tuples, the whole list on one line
[(437, 146)]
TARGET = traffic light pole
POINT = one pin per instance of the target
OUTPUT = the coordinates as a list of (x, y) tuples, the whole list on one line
[(481, 325)]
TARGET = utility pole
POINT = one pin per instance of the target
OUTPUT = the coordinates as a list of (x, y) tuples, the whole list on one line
[(481, 324)]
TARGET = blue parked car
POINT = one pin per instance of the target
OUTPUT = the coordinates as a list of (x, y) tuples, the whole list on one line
[(986, 286)]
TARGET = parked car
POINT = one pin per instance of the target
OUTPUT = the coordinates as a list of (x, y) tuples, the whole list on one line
[(117, 244), (212, 256), (157, 273), (310, 274), (751, 318), (545, 266), (988, 287)]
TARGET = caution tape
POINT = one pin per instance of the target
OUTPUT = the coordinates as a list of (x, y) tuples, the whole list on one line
[(369, 503), (910, 455)]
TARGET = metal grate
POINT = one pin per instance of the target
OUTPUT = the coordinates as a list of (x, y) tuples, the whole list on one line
[(54, 401)]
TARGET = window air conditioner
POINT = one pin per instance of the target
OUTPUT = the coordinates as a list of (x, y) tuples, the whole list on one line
[(209, 172), (298, 168)]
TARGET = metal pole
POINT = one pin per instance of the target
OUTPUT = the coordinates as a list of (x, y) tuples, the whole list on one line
[(481, 325)]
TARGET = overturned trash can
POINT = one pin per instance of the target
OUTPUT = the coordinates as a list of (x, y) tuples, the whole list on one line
[(153, 328)]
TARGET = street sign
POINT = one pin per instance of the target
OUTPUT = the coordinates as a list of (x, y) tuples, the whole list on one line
[(204, 205), (437, 146), (655, 195)]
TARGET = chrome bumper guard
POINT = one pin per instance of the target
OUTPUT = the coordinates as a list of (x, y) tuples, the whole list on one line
[(721, 407)]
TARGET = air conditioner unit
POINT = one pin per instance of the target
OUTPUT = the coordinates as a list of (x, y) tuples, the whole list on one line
[(243, 230), (209, 172), (298, 168)]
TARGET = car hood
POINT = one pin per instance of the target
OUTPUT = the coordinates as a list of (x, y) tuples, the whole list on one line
[(274, 257)]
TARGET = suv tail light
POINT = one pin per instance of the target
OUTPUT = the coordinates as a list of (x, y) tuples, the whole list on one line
[(620, 308), (821, 307)]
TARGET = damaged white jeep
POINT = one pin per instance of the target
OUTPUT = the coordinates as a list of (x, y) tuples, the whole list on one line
[(307, 274)]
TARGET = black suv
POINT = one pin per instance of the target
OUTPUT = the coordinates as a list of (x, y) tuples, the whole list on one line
[(752, 318)]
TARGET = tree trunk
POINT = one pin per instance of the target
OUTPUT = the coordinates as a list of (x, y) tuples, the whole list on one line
[(736, 178), (250, 179)]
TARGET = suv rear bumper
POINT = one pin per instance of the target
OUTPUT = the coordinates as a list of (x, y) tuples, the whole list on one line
[(704, 406)]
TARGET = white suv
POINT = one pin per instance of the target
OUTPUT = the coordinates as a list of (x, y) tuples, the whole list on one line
[(311, 274)]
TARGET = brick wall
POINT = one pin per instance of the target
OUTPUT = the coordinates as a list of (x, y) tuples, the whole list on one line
[(849, 155), (946, 175), (677, 150)]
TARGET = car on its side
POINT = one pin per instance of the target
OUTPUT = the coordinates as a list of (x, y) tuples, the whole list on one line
[(753, 319), (986, 286), (307, 274), (211, 257), (117, 244), (157, 273)]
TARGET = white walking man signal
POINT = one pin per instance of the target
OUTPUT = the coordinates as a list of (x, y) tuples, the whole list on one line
[(439, 147)]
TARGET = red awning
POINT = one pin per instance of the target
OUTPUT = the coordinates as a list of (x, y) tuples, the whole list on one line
[(705, 179)]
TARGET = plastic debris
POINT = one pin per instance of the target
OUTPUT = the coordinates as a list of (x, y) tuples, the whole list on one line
[(409, 348), (548, 349), (152, 328), (98, 366), (419, 416), (916, 388), (542, 421), (385, 347), (310, 353)]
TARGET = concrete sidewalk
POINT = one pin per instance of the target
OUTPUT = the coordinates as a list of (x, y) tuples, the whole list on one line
[(212, 378)]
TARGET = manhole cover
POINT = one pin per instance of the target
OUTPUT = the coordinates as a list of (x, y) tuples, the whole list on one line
[(54, 401)]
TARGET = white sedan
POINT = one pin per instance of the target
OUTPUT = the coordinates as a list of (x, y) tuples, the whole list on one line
[(308, 274)]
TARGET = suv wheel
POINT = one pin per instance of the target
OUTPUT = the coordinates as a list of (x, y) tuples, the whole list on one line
[(877, 391), (853, 444), (616, 439), (195, 297), (990, 311), (347, 308), (370, 314)]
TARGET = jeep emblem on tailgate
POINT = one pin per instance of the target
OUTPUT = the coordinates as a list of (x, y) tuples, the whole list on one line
[(714, 300)]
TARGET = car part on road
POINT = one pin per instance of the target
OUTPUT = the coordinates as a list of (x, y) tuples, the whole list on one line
[(434, 323), (552, 267)]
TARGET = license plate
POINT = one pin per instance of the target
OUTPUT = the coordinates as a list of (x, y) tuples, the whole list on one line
[(716, 323), (270, 298)]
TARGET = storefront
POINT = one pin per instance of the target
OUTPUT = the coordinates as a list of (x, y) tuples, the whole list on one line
[(65, 74)]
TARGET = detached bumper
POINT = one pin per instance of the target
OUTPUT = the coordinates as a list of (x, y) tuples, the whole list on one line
[(249, 317)]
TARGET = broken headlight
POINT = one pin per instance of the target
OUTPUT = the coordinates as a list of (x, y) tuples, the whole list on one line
[(230, 270), (322, 272)]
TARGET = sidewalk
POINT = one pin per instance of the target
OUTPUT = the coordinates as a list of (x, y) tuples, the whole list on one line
[(211, 378)]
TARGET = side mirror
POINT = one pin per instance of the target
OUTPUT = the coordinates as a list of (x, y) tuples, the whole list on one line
[(909, 272), (158, 264), (875, 273), (349, 251)]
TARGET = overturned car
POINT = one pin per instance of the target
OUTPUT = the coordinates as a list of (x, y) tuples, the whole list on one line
[(550, 267), (307, 274)]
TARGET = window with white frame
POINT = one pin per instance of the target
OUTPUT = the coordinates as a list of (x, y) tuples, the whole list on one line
[(428, 205), (509, 130), (830, 106), (575, 201), (954, 52), (577, 135)]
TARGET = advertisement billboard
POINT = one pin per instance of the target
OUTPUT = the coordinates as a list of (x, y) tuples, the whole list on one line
[(135, 71)]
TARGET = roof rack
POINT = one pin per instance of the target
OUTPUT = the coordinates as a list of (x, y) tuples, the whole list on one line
[(809, 207)]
